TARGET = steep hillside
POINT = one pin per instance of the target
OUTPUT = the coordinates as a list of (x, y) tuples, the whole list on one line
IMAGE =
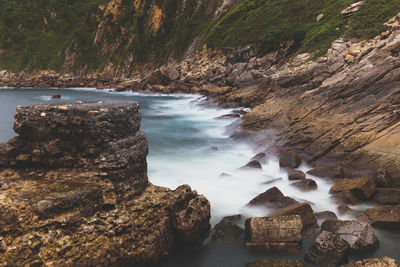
[(122, 37)]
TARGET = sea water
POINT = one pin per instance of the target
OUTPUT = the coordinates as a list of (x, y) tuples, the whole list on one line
[(190, 144)]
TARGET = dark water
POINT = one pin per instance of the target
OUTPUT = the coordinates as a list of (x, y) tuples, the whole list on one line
[(189, 146)]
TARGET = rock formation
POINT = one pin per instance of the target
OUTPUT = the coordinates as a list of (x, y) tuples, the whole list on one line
[(74, 191)]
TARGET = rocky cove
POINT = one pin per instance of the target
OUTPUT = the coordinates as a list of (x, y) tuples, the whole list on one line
[(338, 114)]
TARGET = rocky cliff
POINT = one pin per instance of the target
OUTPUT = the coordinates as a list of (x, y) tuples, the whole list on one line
[(74, 191)]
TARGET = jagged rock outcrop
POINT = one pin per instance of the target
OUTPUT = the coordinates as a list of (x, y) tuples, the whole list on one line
[(74, 191), (382, 216)]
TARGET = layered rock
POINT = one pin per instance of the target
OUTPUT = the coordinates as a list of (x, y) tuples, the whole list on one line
[(275, 263), (75, 191), (274, 233), (362, 188), (383, 216)]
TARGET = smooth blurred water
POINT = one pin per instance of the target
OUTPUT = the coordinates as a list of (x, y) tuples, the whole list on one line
[(188, 145)]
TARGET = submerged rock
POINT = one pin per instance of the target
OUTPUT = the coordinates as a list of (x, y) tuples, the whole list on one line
[(227, 230), (254, 164), (261, 157), (325, 215), (56, 96), (359, 235), (382, 178), (75, 191), (327, 250)]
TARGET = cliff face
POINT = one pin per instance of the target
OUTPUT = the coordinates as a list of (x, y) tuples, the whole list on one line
[(74, 191), (120, 38)]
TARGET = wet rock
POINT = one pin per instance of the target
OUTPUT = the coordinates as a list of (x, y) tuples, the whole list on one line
[(387, 196), (56, 96), (275, 263), (272, 198), (226, 231), (296, 175), (194, 221), (327, 250), (305, 212), (344, 209), (362, 188), (383, 216), (79, 178), (289, 160), (373, 262), (324, 216), (254, 164), (261, 157), (382, 178), (273, 181), (306, 185), (224, 175), (359, 235), (228, 116), (279, 232), (328, 171), (346, 197)]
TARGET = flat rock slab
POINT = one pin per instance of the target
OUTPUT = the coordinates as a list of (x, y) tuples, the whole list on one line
[(374, 262), (383, 216), (327, 171), (359, 235), (387, 196), (273, 233), (304, 210), (275, 263), (362, 187), (327, 250)]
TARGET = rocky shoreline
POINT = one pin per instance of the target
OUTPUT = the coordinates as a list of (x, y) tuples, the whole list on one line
[(74, 191), (339, 113)]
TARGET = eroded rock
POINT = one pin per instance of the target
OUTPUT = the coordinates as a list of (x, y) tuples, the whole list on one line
[(374, 262), (359, 235), (275, 263), (383, 216), (362, 188), (327, 250), (272, 198), (275, 233), (75, 191)]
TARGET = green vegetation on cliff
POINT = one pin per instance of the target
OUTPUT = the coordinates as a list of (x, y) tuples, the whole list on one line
[(67, 35)]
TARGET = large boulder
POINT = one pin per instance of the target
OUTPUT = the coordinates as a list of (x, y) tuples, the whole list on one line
[(272, 198), (383, 216), (387, 196), (75, 191), (327, 171), (374, 262), (274, 233), (362, 188), (327, 250), (359, 235), (275, 263), (305, 212)]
